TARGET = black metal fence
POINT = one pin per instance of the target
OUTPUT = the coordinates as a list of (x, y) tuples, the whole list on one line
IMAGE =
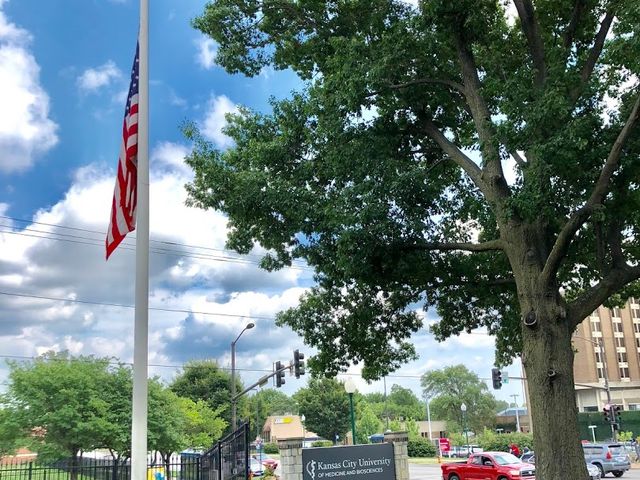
[(229, 458), (186, 468)]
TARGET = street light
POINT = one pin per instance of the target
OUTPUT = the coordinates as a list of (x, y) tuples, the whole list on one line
[(463, 408), (428, 399), (350, 388), (249, 326)]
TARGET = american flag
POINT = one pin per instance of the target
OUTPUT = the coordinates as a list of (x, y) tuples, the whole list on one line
[(123, 208)]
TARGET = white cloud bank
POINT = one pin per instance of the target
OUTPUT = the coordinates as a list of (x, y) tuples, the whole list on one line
[(26, 131), (207, 51)]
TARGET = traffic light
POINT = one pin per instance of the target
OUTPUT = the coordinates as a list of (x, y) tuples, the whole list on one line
[(496, 378), (606, 411), (279, 375), (616, 411), (298, 363)]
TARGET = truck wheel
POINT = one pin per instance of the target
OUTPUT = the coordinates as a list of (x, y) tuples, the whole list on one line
[(602, 474), (618, 473), (453, 476)]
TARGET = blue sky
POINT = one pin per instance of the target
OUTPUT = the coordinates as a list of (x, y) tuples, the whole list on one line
[(63, 78)]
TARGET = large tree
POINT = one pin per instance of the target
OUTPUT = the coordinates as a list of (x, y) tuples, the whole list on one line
[(472, 156), (264, 403), (205, 380), (325, 406), (452, 386), (62, 398)]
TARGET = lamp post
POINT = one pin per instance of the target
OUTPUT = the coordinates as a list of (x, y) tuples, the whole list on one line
[(593, 432), (428, 399), (249, 326), (515, 404), (304, 433), (350, 388), (463, 408)]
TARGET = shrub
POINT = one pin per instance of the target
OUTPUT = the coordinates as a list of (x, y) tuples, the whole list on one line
[(491, 441), (322, 443), (271, 448), (421, 447)]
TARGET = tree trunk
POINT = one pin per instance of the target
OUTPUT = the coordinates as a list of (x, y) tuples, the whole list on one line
[(547, 358)]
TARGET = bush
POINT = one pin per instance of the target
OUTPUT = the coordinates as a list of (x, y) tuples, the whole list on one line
[(271, 448), (421, 447), (492, 441), (322, 443)]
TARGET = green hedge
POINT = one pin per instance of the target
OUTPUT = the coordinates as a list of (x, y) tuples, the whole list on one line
[(322, 443), (492, 441), (271, 448), (629, 422), (421, 447)]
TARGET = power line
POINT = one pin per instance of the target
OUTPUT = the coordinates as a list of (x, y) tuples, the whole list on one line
[(122, 305), (231, 254)]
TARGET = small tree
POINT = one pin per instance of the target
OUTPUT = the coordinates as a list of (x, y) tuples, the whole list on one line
[(325, 405)]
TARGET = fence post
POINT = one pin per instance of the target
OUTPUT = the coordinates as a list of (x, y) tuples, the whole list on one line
[(30, 470), (219, 461)]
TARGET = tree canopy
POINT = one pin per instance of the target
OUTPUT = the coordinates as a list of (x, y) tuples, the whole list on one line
[(478, 159), (325, 406), (452, 386)]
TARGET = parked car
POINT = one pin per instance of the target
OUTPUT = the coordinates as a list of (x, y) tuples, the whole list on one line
[(463, 451), (257, 470), (608, 457), (266, 460), (489, 465), (594, 472)]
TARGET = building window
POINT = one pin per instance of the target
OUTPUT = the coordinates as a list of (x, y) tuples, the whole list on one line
[(590, 409), (622, 357), (634, 406), (599, 355), (635, 313), (636, 325), (595, 314), (624, 372), (617, 327), (600, 372), (595, 325), (615, 312), (619, 342)]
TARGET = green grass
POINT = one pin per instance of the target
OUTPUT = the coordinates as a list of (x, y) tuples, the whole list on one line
[(20, 471)]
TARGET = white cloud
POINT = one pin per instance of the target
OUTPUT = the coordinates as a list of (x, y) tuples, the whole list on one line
[(92, 79), (207, 51), (26, 131), (215, 120)]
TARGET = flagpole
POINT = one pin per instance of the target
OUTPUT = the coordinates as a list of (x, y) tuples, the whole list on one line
[(141, 328)]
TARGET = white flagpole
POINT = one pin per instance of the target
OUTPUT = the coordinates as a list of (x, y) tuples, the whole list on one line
[(141, 329)]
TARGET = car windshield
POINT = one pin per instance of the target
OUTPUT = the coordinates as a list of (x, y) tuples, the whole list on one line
[(506, 459)]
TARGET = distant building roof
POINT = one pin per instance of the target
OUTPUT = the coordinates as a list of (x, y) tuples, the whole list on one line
[(281, 427), (511, 412)]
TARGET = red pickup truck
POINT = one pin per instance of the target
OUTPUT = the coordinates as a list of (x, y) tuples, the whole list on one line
[(489, 466)]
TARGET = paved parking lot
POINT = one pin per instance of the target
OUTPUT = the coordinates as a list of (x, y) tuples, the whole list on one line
[(432, 472)]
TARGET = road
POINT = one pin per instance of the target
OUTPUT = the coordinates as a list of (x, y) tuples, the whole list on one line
[(432, 472)]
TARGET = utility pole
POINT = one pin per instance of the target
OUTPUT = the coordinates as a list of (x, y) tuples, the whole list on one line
[(515, 396), (605, 376)]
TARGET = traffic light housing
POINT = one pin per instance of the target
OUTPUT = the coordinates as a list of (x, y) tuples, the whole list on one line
[(279, 375), (606, 411), (496, 378), (616, 411), (298, 363)]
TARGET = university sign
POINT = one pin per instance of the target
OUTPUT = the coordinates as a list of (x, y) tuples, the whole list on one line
[(360, 462)]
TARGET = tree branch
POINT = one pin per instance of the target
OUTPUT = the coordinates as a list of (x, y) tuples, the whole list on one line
[(569, 33), (598, 194), (487, 246), (592, 298), (482, 120), (594, 54), (456, 155), (531, 30), (426, 81), (518, 158)]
